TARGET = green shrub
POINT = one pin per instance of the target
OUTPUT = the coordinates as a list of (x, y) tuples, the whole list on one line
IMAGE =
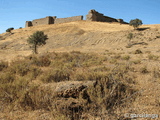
[(9, 29), (135, 23)]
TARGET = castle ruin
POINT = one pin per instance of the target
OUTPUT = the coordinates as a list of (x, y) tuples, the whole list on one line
[(99, 17), (91, 16)]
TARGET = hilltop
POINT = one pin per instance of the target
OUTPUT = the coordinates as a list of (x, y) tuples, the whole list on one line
[(86, 70)]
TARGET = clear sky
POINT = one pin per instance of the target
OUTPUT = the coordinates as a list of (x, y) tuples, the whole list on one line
[(14, 13)]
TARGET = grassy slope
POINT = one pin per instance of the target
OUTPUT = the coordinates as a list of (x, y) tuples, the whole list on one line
[(109, 40)]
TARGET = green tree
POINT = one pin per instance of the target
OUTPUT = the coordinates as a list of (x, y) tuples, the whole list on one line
[(135, 23), (38, 38), (9, 30)]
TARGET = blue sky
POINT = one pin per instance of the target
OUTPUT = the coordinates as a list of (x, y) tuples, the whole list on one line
[(14, 13)]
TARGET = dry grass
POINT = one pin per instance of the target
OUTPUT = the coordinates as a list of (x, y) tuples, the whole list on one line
[(123, 82)]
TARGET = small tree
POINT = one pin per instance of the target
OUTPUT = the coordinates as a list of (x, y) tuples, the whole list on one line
[(9, 30), (135, 23), (38, 38)]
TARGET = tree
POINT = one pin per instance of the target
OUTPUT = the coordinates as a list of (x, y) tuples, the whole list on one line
[(135, 23), (9, 30), (36, 39)]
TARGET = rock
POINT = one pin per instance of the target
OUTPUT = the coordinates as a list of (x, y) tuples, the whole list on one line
[(72, 89)]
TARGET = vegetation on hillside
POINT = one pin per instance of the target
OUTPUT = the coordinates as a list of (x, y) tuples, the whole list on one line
[(9, 29), (135, 23), (110, 90), (38, 38)]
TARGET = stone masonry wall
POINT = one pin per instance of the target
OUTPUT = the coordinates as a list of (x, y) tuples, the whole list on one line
[(28, 24), (96, 16), (43, 21), (92, 16), (69, 19)]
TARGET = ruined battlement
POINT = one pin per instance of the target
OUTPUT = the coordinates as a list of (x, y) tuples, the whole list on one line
[(68, 19), (96, 16), (91, 16)]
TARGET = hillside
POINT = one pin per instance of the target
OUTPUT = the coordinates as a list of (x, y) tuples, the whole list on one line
[(82, 35), (86, 70)]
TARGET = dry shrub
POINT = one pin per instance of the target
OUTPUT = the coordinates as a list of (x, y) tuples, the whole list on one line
[(6, 77), (156, 73), (138, 51), (3, 65), (12, 91), (110, 93), (36, 98), (20, 68), (152, 57), (42, 61), (78, 59), (144, 70), (125, 57), (55, 75), (136, 61)]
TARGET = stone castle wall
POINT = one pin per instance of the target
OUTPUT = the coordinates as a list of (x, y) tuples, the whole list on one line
[(91, 16), (43, 21), (69, 19), (96, 16)]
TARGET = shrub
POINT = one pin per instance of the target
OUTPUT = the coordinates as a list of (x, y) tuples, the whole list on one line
[(138, 51), (144, 70), (136, 61), (7, 77), (130, 36), (126, 57), (35, 72), (152, 57), (42, 61), (135, 23), (20, 69), (3, 65), (56, 75), (9, 29), (12, 92)]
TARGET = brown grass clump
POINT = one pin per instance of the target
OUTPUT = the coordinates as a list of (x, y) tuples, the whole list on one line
[(3, 65), (55, 75), (152, 57)]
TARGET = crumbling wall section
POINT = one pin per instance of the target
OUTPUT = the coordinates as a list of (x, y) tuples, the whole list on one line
[(96, 16), (69, 19), (28, 24)]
